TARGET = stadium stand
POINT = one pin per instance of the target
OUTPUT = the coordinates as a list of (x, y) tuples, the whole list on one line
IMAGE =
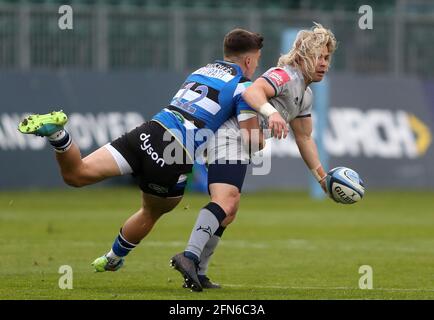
[(182, 34)]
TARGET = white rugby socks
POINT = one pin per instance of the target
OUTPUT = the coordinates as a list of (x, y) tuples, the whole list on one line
[(208, 251), (60, 140)]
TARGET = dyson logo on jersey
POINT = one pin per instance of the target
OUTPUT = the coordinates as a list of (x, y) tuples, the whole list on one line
[(146, 146)]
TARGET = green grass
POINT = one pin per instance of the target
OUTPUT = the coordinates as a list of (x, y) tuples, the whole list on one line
[(282, 245)]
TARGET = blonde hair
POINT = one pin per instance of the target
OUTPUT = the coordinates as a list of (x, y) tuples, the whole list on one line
[(307, 48)]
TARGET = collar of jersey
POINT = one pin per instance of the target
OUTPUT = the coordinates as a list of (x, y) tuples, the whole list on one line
[(236, 66)]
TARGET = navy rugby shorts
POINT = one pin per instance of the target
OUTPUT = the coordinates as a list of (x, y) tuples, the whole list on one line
[(228, 173), (143, 149)]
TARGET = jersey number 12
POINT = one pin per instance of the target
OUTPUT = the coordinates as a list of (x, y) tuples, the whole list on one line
[(187, 105)]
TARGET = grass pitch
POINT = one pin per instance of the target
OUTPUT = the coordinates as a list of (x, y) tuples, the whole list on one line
[(283, 245)]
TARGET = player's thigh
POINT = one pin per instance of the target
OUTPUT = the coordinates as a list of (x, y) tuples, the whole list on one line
[(225, 181), (100, 164)]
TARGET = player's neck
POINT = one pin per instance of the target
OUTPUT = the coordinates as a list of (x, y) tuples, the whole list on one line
[(231, 60), (237, 62), (306, 79)]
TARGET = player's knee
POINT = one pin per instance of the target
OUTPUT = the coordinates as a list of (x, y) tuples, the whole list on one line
[(231, 210), (229, 203), (228, 220), (153, 207), (153, 212), (150, 215), (75, 179)]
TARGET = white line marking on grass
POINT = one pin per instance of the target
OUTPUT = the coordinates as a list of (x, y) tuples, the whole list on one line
[(169, 244), (288, 243), (297, 244), (326, 288)]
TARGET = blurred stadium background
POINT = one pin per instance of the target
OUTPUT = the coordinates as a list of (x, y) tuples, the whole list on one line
[(121, 63), (170, 34)]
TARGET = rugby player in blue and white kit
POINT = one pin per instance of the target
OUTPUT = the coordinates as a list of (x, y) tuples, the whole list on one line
[(208, 97), (281, 90)]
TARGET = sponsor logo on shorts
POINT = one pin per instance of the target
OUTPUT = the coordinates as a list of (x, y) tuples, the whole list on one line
[(146, 146), (157, 188)]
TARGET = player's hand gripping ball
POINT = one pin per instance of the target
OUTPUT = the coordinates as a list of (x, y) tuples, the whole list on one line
[(344, 185)]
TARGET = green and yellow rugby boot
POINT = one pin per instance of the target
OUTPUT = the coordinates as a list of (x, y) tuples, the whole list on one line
[(43, 125), (105, 263)]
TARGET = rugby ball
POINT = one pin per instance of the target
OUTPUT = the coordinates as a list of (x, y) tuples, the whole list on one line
[(344, 185)]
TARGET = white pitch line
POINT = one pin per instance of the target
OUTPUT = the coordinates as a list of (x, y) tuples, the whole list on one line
[(327, 288), (288, 243), (295, 244)]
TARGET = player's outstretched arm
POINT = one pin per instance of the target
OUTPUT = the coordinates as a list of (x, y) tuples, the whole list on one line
[(302, 128), (257, 96)]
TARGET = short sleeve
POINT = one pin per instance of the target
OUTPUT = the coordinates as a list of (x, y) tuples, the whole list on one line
[(277, 78), (242, 110)]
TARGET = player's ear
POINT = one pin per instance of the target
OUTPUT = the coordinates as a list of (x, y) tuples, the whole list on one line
[(248, 60)]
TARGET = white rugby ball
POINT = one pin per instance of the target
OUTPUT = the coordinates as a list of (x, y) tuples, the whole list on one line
[(344, 185)]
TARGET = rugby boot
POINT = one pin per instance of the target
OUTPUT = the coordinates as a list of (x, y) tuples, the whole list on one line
[(205, 282), (188, 270), (43, 125), (105, 263)]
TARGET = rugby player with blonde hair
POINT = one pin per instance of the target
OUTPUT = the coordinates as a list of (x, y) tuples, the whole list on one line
[(287, 89), (282, 96)]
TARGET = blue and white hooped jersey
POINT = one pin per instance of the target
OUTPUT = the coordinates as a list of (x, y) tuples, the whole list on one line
[(208, 97)]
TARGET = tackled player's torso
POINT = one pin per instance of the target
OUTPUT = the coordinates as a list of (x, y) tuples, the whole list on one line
[(289, 102)]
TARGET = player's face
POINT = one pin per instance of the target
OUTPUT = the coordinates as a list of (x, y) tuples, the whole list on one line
[(251, 63), (322, 65)]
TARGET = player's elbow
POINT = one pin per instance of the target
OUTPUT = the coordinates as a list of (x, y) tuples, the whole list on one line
[(302, 138)]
